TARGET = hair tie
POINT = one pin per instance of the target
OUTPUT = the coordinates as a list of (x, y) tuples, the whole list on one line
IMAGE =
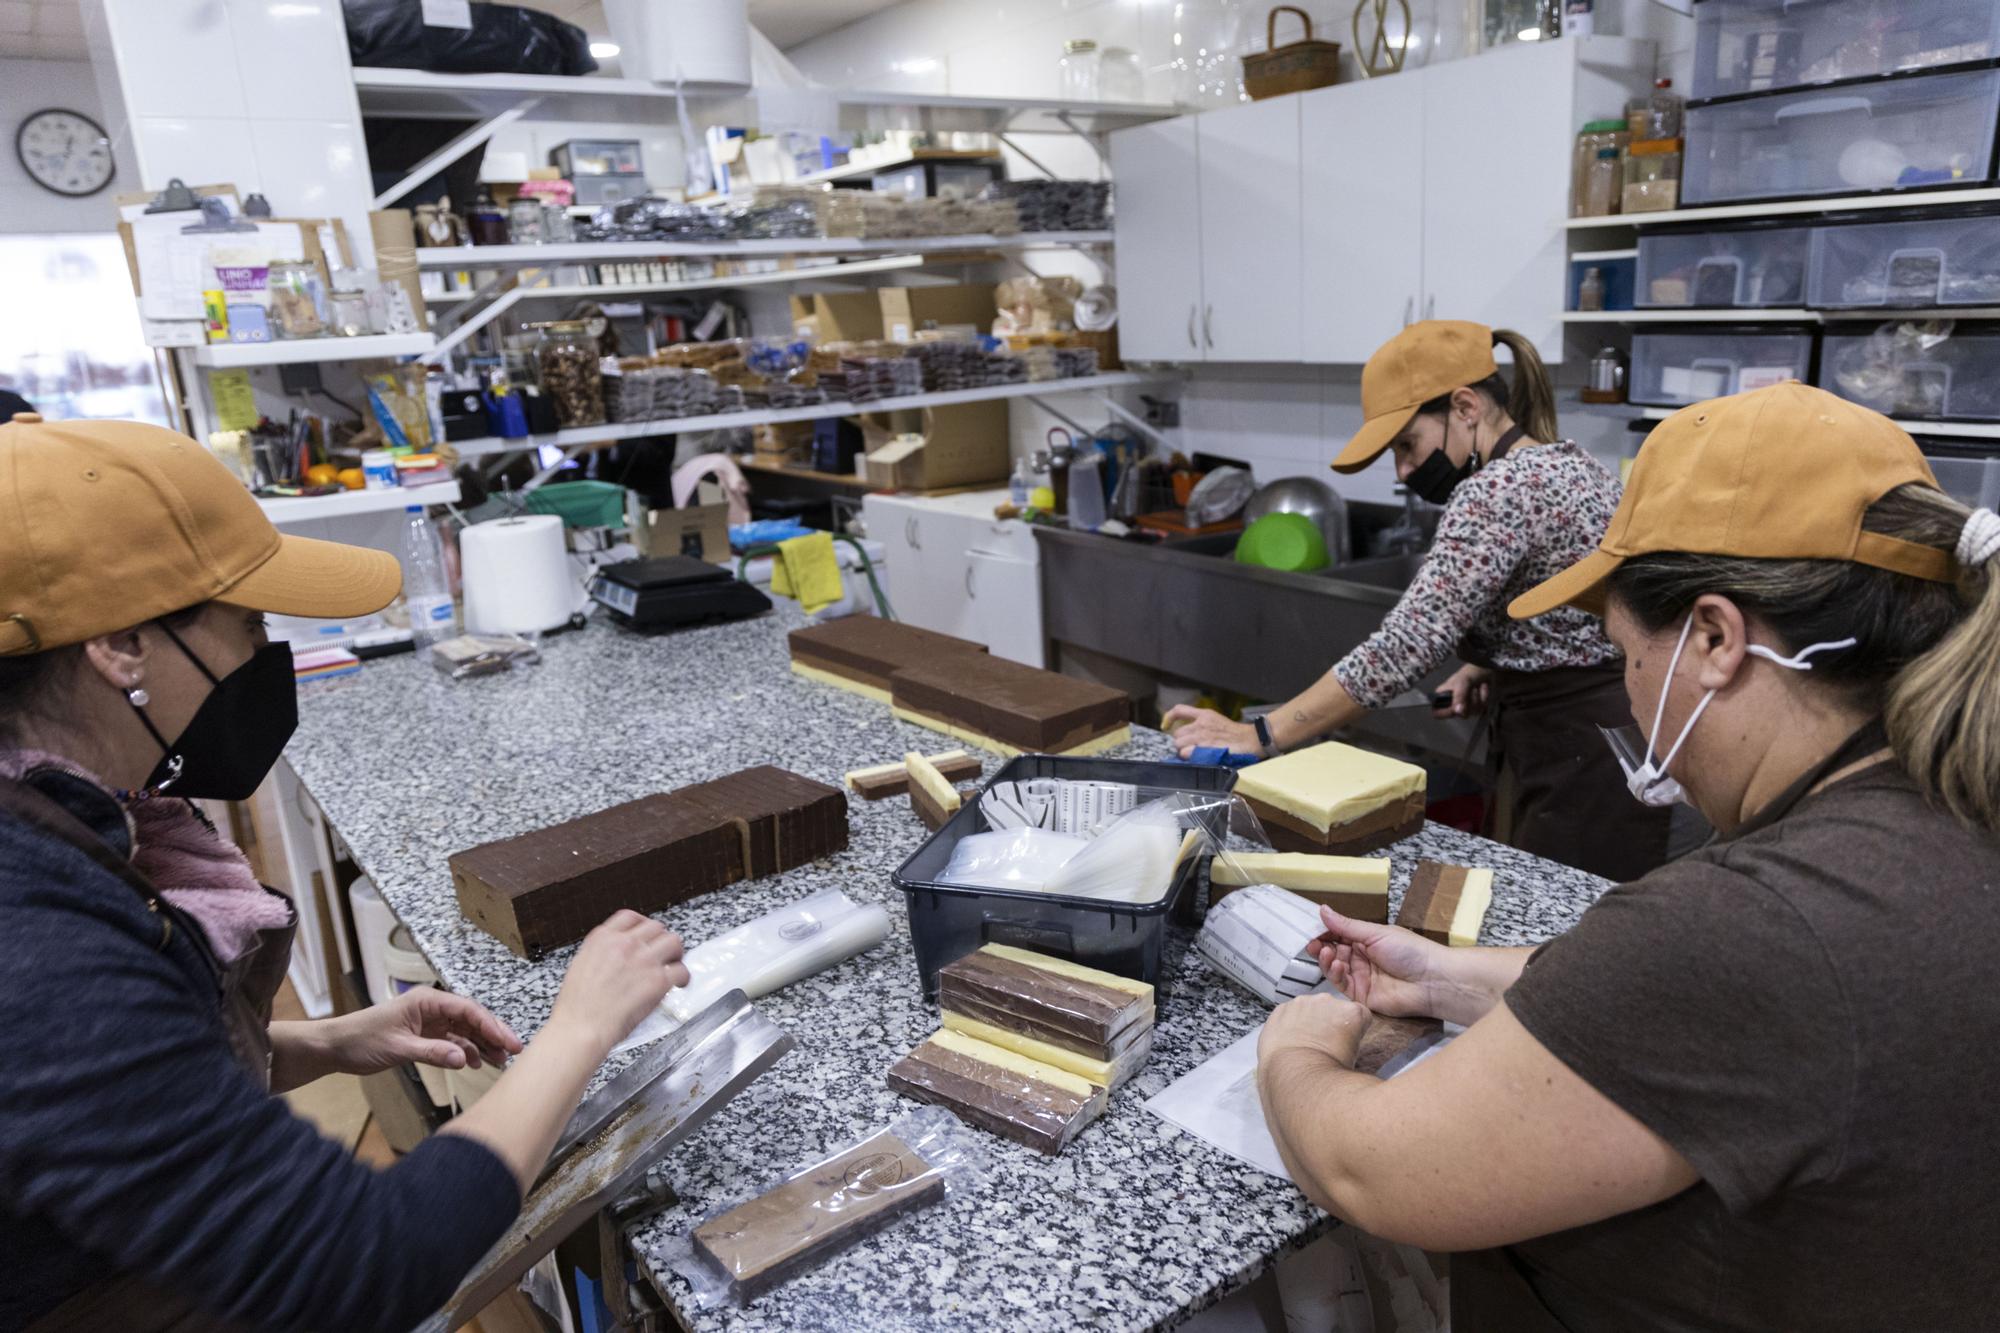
[(1979, 540)]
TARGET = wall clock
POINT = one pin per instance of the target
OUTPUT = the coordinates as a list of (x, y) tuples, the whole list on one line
[(65, 151)]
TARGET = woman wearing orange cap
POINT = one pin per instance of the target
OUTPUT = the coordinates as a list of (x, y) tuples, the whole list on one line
[(1753, 1089), (148, 1181), (1518, 505)]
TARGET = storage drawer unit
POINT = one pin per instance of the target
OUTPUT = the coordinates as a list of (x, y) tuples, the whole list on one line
[(1910, 371), (1675, 369), (1907, 265), (1899, 134), (1713, 270), (1971, 479), (1761, 46)]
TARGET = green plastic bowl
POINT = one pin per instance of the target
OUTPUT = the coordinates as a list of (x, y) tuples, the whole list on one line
[(1289, 542)]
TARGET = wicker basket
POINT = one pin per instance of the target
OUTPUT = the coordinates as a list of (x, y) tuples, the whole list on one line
[(1292, 68)]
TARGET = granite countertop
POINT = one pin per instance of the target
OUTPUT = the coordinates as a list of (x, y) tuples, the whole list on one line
[(1135, 1225)]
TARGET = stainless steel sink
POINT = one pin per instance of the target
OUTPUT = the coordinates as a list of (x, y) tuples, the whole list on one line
[(1389, 571)]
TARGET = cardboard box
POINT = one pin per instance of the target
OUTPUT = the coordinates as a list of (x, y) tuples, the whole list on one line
[(701, 531), (962, 446), (838, 317), (906, 311)]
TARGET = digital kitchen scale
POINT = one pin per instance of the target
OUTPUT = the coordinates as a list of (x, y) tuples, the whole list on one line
[(673, 591)]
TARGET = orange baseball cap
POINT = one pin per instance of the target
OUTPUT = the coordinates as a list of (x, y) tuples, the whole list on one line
[(1784, 473), (1423, 362), (109, 524)]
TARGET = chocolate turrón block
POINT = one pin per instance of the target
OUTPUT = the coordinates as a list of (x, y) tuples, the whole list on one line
[(1370, 833), (1017, 705), (995, 1098), (542, 890), (761, 1242), (868, 649), (1446, 903), (1086, 1017), (886, 780)]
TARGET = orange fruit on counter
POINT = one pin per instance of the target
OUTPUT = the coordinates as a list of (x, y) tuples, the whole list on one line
[(322, 474), (353, 478)]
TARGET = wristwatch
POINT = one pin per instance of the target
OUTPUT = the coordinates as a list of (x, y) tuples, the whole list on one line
[(1264, 741)]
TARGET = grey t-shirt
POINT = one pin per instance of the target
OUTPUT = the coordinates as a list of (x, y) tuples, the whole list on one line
[(1807, 1012)]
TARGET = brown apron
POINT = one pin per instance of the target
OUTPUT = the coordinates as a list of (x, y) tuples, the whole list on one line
[(247, 988), (1561, 793)]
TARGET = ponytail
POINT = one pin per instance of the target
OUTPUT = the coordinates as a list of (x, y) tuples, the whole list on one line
[(1532, 399), (1924, 653)]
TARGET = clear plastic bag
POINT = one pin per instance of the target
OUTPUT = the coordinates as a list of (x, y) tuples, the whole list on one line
[(1043, 1113), (1020, 858), (739, 1252)]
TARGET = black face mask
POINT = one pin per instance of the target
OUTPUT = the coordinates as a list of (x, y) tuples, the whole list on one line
[(235, 737), (1435, 478)]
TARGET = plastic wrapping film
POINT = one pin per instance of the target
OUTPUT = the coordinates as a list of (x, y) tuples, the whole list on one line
[(1000, 1091), (742, 1251), (1048, 998)]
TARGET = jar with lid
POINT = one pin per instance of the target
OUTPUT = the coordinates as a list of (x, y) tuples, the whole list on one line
[(525, 222), (347, 313), (1597, 171), (1077, 71), (297, 299), (1652, 176), (486, 221), (566, 364), (1590, 292), (1663, 112), (1120, 77)]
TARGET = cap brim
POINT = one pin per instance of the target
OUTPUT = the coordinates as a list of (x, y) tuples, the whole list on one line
[(1375, 435), (1580, 586), (319, 580)]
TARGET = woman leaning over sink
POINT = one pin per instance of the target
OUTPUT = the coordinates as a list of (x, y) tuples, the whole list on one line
[(1519, 507)]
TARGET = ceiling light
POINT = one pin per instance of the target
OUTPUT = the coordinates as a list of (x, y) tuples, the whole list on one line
[(921, 65), (604, 50), (1530, 34)]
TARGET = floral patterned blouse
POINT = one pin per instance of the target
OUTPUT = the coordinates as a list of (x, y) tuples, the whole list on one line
[(1507, 527)]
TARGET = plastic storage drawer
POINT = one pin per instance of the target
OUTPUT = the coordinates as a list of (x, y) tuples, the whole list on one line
[(1767, 46), (1906, 371), (948, 921), (1675, 369), (1903, 134), (1906, 265), (1721, 270), (1972, 480)]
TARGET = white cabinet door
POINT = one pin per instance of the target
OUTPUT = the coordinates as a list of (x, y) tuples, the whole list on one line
[(926, 563), (1003, 599), (1158, 232), (1498, 133), (1250, 232), (1363, 202)]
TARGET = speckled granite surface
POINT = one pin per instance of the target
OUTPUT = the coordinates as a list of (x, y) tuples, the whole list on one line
[(1134, 1226)]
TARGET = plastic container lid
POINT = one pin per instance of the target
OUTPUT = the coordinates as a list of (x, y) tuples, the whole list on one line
[(1604, 127), (1653, 147), (1289, 542)]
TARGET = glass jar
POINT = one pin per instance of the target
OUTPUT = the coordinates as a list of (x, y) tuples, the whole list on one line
[(1076, 72), (525, 223), (558, 227), (1119, 75), (486, 221), (566, 367), (1652, 176), (1597, 172), (347, 313), (297, 299)]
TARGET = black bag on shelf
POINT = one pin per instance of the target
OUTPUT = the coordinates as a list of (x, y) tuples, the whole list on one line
[(503, 39)]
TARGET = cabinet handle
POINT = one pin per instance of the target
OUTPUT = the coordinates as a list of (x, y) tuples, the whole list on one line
[(1207, 334), (912, 533), (1191, 341), (1409, 312), (968, 582), (1431, 307)]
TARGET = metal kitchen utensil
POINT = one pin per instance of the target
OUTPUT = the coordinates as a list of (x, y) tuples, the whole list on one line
[(1313, 499), (619, 1133)]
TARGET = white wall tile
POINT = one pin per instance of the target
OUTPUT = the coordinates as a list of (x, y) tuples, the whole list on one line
[(291, 59), (311, 169), (177, 59), (205, 151)]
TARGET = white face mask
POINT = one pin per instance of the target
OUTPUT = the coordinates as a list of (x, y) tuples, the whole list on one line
[(1649, 781)]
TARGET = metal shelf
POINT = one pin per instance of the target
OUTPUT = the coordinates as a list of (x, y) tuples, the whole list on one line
[(1789, 208), (612, 291), (583, 436), (347, 504), (597, 252), (298, 351)]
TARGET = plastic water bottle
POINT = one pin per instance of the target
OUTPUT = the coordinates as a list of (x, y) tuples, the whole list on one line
[(426, 592)]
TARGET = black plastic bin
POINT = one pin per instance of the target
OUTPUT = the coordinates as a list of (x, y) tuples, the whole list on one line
[(948, 921)]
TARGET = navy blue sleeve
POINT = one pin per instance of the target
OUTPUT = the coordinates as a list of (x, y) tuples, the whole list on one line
[(127, 1127)]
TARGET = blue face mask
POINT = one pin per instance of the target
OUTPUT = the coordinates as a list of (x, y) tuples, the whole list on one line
[(1650, 782)]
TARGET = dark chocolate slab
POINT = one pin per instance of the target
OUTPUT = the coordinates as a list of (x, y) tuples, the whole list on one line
[(1000, 1101), (870, 649), (1082, 1009), (1006, 701)]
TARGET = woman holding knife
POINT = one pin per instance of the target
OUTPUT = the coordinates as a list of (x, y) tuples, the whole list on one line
[(1519, 507)]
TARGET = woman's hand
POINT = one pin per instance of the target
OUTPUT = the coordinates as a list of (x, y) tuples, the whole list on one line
[(1386, 968), (1323, 1023), (624, 969), (1469, 688), (424, 1026), (1193, 727)]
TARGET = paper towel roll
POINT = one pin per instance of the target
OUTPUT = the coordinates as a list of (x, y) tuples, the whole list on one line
[(516, 574), (372, 923)]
